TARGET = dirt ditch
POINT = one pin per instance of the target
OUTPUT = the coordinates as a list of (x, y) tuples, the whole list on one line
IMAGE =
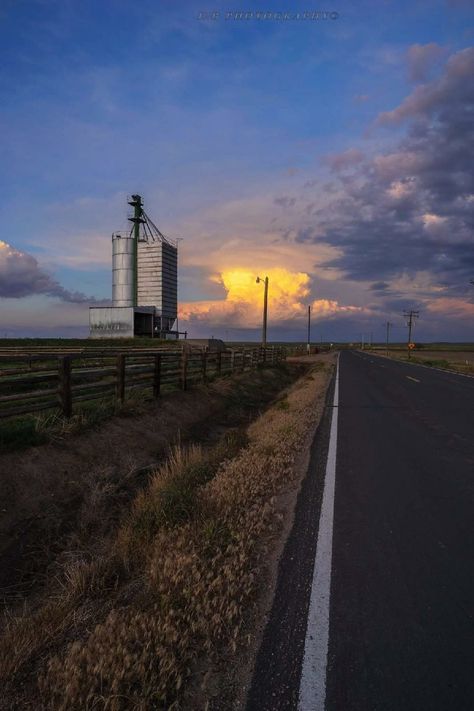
[(67, 494)]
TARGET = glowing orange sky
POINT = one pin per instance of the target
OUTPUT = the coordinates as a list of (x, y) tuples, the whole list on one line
[(288, 296)]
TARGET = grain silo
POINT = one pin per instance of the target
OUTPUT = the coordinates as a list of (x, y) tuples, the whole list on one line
[(123, 269), (144, 282), (157, 284)]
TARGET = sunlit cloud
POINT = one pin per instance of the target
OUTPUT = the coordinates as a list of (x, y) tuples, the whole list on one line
[(289, 295), (453, 307), (400, 189), (430, 220)]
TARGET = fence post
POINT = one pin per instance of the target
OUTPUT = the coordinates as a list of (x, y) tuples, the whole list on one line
[(204, 366), (184, 369), (65, 392), (219, 362), (157, 376), (232, 358), (120, 385)]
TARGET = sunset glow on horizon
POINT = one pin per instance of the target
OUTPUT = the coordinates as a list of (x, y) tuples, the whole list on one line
[(288, 299)]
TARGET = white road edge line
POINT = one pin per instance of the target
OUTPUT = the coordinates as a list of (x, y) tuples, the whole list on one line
[(415, 380), (312, 692)]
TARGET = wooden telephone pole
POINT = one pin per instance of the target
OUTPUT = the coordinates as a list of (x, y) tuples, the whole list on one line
[(411, 316)]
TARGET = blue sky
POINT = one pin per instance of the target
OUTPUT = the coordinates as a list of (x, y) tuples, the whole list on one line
[(220, 125)]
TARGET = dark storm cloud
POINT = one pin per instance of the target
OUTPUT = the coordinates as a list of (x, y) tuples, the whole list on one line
[(21, 275), (454, 86), (379, 286), (412, 209)]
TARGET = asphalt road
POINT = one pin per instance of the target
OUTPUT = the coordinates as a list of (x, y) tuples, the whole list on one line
[(400, 531)]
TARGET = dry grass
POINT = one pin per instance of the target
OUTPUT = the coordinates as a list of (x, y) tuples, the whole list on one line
[(178, 580), (458, 361), (70, 495)]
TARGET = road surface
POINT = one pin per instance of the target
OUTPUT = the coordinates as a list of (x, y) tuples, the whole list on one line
[(384, 620)]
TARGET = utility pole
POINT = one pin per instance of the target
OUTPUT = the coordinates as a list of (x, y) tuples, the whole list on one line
[(265, 310), (308, 347), (362, 341), (411, 316)]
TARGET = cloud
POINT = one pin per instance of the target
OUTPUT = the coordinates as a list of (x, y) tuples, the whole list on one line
[(285, 201), (343, 161), (288, 298), (411, 209), (252, 233), (452, 308), (421, 58), (379, 286), (444, 95), (21, 276)]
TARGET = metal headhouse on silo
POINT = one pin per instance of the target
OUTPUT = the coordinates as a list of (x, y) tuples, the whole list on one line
[(144, 282)]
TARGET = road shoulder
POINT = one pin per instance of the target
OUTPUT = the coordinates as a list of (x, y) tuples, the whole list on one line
[(277, 668)]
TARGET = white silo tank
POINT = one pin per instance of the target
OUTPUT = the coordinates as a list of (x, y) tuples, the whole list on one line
[(123, 270)]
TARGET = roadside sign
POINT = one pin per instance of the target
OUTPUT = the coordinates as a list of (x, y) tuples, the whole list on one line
[(411, 346)]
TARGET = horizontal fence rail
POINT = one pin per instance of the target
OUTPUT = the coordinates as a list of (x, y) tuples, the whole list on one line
[(58, 380)]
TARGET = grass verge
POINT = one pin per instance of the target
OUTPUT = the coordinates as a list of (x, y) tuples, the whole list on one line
[(456, 366)]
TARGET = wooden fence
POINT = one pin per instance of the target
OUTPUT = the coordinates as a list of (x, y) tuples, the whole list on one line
[(32, 382)]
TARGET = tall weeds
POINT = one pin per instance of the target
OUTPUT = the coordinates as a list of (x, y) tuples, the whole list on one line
[(185, 567)]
